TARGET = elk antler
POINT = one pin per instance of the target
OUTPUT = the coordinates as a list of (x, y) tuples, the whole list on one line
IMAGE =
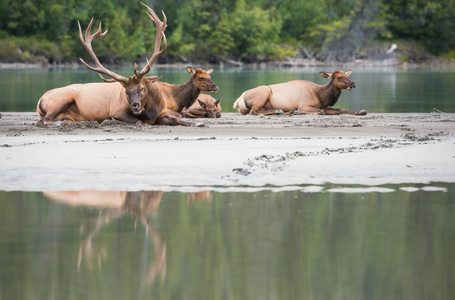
[(88, 46), (160, 28)]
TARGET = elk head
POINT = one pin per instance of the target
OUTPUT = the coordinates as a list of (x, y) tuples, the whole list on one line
[(340, 79), (211, 108), (135, 86), (202, 79)]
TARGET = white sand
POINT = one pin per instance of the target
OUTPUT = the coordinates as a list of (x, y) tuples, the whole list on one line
[(229, 152)]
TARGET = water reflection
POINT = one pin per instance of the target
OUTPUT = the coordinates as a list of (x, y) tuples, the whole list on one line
[(337, 242), (200, 196), (113, 205)]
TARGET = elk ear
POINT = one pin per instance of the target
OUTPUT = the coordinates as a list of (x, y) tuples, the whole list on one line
[(217, 101), (349, 73), (201, 103), (209, 71), (190, 70), (325, 74)]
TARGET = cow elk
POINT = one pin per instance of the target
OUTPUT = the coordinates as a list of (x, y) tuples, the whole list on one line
[(205, 107), (179, 97), (131, 100), (299, 96)]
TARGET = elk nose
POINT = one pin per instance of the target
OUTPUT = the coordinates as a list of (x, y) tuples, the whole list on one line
[(215, 88), (135, 105)]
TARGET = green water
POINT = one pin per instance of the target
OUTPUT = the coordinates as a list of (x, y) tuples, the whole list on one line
[(394, 244), (383, 90)]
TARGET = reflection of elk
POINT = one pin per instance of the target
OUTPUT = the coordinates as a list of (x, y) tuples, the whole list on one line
[(199, 196), (130, 100), (205, 107), (298, 95), (184, 95), (115, 205)]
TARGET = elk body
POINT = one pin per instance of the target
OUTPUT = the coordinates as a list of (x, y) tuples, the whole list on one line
[(179, 97), (131, 100), (205, 107), (298, 95)]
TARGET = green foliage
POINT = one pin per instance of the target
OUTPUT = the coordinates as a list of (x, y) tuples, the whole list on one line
[(429, 22), (29, 50), (221, 29)]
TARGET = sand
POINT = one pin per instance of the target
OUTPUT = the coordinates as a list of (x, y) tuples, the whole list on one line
[(230, 153)]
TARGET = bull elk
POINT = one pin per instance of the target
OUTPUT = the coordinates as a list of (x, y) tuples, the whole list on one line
[(131, 100), (298, 96), (182, 96), (205, 107)]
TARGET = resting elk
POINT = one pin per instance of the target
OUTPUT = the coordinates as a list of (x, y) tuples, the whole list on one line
[(179, 97), (182, 96), (205, 107), (131, 100), (298, 96)]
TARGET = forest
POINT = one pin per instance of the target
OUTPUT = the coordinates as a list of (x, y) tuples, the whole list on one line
[(45, 31)]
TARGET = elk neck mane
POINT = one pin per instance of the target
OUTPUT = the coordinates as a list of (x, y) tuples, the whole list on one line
[(152, 106), (188, 93), (329, 94)]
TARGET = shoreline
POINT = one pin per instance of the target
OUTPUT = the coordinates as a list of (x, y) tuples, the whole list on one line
[(289, 63), (234, 151)]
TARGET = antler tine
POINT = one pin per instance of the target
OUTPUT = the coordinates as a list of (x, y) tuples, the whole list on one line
[(160, 28), (107, 79), (164, 17), (150, 12), (87, 43), (156, 54), (153, 18), (135, 71)]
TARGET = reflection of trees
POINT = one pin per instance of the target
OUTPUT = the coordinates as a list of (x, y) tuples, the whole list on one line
[(114, 205)]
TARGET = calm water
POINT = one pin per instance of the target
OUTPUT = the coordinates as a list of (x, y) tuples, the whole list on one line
[(394, 244), (378, 90)]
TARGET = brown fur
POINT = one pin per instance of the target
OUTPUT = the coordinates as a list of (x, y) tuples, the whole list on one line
[(130, 100), (205, 107), (297, 96), (179, 97)]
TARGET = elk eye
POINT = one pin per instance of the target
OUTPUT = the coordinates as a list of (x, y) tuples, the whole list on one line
[(200, 79)]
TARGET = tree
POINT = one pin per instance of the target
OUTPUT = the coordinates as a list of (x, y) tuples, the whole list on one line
[(429, 22)]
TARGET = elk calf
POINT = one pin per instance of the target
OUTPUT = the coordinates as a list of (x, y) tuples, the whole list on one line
[(205, 107), (298, 95)]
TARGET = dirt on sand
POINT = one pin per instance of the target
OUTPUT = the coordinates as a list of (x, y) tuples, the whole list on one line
[(234, 150)]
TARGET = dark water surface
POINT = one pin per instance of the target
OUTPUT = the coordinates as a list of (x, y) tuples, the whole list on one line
[(393, 242), (381, 90)]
